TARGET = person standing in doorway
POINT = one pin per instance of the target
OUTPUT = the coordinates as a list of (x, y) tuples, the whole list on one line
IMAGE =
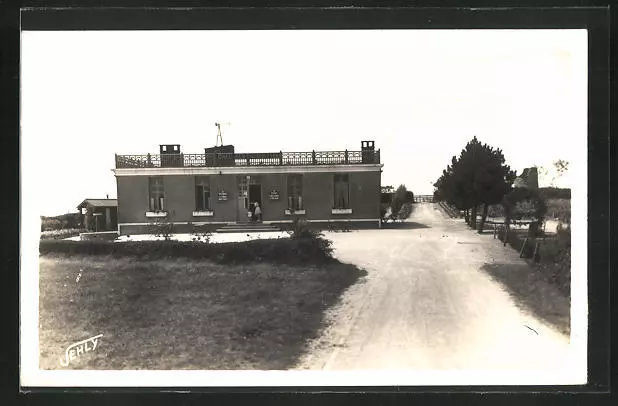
[(258, 212), (251, 212)]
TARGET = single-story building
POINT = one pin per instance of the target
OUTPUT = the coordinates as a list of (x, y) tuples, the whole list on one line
[(218, 186), (99, 214)]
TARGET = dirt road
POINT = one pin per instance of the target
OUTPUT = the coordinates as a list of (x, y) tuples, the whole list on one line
[(427, 304)]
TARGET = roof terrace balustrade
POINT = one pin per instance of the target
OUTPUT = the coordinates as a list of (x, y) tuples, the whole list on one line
[(220, 159)]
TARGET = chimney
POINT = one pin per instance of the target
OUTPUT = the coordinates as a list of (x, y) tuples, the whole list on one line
[(367, 145), (368, 152)]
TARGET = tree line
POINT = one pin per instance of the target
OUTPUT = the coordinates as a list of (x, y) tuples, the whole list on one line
[(479, 176)]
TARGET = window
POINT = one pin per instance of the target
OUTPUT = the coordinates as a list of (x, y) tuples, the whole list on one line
[(155, 191), (295, 192), (202, 193), (342, 192)]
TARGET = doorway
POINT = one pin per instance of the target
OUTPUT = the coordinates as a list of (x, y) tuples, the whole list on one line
[(255, 195)]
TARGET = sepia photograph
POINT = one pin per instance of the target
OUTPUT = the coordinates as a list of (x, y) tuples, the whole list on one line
[(304, 207)]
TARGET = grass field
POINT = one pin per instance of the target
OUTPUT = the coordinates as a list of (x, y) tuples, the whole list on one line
[(183, 313)]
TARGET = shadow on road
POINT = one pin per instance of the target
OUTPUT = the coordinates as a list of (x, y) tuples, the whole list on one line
[(405, 225), (533, 294)]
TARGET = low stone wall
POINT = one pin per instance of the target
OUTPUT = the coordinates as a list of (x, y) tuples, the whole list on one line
[(100, 236)]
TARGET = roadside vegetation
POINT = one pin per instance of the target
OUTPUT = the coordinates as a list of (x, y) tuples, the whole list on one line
[(188, 305), (62, 222), (63, 226), (396, 205), (479, 178), (61, 234)]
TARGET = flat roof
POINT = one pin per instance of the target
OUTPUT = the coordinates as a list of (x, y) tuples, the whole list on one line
[(98, 203)]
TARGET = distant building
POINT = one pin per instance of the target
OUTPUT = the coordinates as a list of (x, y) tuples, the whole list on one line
[(99, 214), (218, 186)]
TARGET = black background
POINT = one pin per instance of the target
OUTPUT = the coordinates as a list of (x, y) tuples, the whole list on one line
[(115, 15)]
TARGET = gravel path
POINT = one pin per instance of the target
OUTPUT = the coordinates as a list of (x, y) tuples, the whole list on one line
[(426, 304)]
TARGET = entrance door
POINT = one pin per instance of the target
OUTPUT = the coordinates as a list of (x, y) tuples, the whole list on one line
[(255, 195)]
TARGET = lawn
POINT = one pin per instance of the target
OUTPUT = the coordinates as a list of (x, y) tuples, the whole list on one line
[(182, 313)]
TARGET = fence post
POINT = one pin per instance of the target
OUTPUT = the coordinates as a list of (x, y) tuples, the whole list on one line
[(313, 157), (280, 157), (536, 251), (521, 252), (346, 156)]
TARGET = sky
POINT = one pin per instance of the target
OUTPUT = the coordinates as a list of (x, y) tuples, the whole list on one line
[(419, 94)]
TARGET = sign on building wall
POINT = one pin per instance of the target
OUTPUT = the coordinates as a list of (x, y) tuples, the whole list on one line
[(274, 195), (222, 195)]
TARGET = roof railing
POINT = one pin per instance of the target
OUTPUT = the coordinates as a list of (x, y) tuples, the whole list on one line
[(223, 159)]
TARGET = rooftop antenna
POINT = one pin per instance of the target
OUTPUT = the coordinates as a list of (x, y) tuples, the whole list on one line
[(219, 134)]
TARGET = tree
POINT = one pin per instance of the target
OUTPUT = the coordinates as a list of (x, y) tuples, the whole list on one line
[(524, 203), (493, 179), (560, 167), (409, 197), (478, 176), (399, 198)]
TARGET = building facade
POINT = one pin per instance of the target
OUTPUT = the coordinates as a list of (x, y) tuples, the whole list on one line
[(218, 186)]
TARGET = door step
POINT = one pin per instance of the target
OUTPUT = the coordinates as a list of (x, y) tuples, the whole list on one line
[(247, 228)]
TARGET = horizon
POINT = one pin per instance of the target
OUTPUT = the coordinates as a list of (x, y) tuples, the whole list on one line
[(420, 95)]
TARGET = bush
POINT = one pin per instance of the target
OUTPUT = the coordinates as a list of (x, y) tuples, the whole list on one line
[(316, 250), (495, 210), (163, 229), (300, 229), (522, 203), (49, 224), (202, 232), (554, 193), (61, 234), (553, 257), (559, 209), (383, 211), (399, 199), (337, 227), (62, 222), (405, 211), (516, 241)]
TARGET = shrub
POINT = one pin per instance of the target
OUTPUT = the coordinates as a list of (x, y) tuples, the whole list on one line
[(49, 224), (495, 210), (554, 193), (300, 229), (553, 257), (516, 241), (405, 211), (339, 227), (163, 229), (202, 232), (383, 211), (61, 234), (523, 203), (285, 250), (559, 209), (64, 221), (399, 199)]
